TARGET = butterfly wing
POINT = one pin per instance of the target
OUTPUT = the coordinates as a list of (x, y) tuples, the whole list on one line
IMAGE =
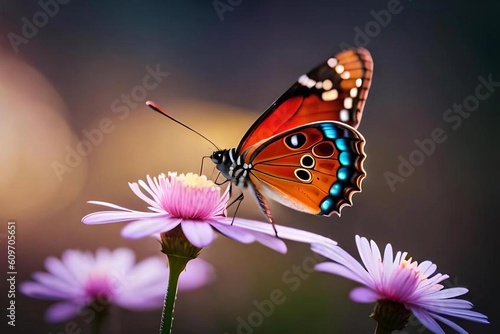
[(314, 168), (335, 90)]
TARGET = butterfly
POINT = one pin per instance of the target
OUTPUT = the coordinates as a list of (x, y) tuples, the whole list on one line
[(304, 151)]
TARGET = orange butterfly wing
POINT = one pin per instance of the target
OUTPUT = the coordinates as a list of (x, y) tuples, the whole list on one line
[(315, 168), (333, 91)]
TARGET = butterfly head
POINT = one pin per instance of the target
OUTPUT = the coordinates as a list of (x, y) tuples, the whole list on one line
[(229, 163), (222, 161)]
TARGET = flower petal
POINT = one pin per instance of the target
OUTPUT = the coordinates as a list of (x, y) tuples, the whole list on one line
[(198, 273), (200, 234), (364, 295), (62, 311), (426, 320), (233, 232), (337, 269), (146, 227), (284, 232), (40, 291), (106, 217)]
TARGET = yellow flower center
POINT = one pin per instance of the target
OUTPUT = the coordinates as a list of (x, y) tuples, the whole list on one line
[(413, 266), (194, 180)]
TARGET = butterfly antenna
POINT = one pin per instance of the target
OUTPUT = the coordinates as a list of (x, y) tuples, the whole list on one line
[(156, 108)]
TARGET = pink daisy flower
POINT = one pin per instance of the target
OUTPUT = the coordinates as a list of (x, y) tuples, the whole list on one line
[(399, 280), (197, 205), (80, 279)]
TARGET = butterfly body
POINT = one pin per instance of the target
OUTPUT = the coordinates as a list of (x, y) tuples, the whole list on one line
[(304, 151)]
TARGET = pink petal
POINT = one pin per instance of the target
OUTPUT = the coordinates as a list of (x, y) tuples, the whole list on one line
[(122, 259), (137, 191), (337, 269), (447, 293), (37, 290), (283, 231), (364, 295), (62, 311), (200, 234), (146, 227), (146, 273), (57, 284), (246, 236), (271, 242), (427, 268), (58, 269), (366, 255), (233, 232), (198, 273), (106, 217), (342, 257), (450, 323), (426, 320)]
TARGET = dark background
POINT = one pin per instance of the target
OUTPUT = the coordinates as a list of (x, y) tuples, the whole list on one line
[(222, 75)]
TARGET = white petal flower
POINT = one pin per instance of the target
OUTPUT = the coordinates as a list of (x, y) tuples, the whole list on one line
[(401, 280)]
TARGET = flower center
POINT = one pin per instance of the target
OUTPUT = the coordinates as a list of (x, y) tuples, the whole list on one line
[(191, 196), (193, 180), (98, 286)]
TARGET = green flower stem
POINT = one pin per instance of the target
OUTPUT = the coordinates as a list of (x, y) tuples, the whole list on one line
[(176, 265), (98, 321)]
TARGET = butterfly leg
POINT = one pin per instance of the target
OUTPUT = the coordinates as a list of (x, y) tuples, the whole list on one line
[(264, 206), (239, 199), (203, 160)]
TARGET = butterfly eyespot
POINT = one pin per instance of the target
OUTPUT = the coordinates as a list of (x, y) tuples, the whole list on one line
[(303, 175), (296, 140), (323, 150), (307, 161)]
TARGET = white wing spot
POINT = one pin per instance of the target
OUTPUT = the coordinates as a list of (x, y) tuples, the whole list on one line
[(330, 95), (353, 92), (344, 115), (327, 84), (359, 82), (339, 68), (302, 80), (332, 62), (348, 103), (345, 75), (294, 140), (319, 85), (310, 83)]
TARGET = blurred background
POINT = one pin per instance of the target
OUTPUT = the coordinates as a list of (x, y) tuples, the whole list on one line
[(79, 74)]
